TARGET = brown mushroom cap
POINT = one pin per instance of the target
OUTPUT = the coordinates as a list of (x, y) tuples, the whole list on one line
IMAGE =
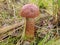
[(29, 11)]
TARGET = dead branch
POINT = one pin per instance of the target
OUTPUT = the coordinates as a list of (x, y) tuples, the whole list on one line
[(10, 27)]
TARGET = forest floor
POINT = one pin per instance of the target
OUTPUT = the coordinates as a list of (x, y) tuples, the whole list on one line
[(11, 31)]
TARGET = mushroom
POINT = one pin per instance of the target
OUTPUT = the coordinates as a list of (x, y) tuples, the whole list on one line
[(30, 11)]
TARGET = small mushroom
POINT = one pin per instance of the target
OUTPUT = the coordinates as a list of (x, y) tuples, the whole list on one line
[(30, 11)]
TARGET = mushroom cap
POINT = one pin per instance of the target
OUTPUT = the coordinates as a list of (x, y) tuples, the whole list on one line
[(29, 11)]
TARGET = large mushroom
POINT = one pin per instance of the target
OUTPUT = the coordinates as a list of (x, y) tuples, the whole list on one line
[(30, 11)]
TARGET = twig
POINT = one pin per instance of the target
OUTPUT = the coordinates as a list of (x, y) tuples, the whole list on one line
[(7, 28)]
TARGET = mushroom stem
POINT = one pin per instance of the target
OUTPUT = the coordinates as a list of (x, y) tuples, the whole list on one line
[(30, 28)]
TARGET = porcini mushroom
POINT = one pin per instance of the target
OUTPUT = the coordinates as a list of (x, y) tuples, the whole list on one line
[(30, 11)]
